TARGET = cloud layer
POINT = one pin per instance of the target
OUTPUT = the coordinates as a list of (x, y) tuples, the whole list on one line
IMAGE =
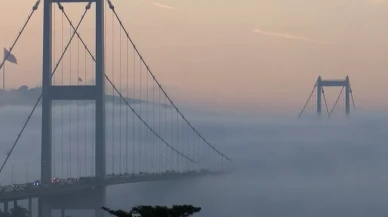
[(282, 166)]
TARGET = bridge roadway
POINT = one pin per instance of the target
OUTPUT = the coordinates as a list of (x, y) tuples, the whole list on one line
[(77, 187)]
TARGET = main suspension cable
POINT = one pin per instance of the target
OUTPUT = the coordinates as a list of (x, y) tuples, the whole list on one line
[(351, 94), (160, 86), (324, 98), (41, 95), (336, 101), (144, 122), (125, 101), (308, 100), (92, 56), (34, 8), (85, 69)]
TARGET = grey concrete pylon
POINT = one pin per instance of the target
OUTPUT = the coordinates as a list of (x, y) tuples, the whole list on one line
[(90, 92), (333, 83)]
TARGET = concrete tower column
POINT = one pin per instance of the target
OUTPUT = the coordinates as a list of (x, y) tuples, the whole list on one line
[(44, 208), (87, 92), (30, 206), (6, 206), (100, 168), (319, 95), (347, 95)]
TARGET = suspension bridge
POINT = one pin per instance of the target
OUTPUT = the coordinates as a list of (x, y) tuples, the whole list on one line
[(87, 143), (342, 103)]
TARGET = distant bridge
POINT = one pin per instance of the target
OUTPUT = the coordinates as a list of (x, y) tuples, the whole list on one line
[(318, 89)]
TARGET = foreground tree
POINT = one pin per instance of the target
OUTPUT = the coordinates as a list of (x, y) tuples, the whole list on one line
[(156, 211)]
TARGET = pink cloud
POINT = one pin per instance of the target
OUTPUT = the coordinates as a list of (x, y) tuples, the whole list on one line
[(157, 4), (288, 36)]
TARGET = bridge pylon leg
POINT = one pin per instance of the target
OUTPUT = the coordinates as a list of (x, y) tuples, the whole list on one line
[(101, 200), (56, 92), (347, 96), (44, 209), (5, 206), (319, 95), (30, 206)]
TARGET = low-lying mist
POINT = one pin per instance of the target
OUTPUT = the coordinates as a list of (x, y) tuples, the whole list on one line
[(282, 166)]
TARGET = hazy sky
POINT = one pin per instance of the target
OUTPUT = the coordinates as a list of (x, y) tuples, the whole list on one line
[(250, 54)]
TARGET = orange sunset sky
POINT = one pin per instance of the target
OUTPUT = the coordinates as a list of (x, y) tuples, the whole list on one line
[(246, 55)]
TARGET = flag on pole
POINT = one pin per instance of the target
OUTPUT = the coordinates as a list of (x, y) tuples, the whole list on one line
[(9, 57)]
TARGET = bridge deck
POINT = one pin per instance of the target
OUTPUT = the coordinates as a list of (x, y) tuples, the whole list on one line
[(58, 189)]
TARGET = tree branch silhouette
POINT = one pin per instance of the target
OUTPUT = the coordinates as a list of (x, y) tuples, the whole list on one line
[(156, 211)]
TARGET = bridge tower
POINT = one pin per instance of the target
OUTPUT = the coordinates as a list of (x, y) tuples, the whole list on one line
[(319, 88), (87, 92), (333, 83)]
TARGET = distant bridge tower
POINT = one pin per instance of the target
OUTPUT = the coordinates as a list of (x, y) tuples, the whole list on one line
[(87, 92), (320, 84), (333, 83)]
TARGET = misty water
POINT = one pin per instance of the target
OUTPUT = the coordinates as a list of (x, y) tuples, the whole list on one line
[(282, 166)]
